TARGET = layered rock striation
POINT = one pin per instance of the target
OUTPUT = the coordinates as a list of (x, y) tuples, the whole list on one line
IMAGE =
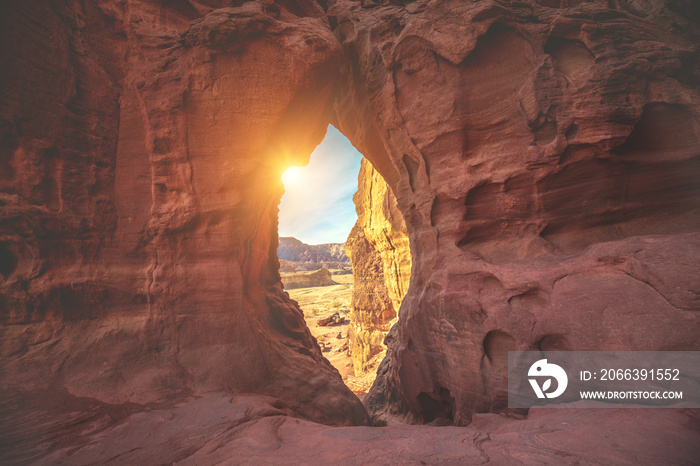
[(381, 258), (543, 154), (545, 157), (142, 147)]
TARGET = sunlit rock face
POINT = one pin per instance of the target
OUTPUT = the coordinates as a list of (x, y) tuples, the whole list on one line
[(142, 148), (545, 157), (381, 259)]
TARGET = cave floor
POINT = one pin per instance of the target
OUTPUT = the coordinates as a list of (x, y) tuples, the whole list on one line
[(220, 429)]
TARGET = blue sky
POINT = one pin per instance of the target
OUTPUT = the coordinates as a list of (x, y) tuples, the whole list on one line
[(317, 205)]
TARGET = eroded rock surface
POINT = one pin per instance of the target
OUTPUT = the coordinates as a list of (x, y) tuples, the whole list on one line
[(545, 157), (381, 258), (248, 430), (142, 148)]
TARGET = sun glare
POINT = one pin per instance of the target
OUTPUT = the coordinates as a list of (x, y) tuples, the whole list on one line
[(317, 203), (292, 176)]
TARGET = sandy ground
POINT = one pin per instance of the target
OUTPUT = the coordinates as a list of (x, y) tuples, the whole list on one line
[(321, 302)]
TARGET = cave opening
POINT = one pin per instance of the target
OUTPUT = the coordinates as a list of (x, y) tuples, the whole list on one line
[(316, 215), (335, 222)]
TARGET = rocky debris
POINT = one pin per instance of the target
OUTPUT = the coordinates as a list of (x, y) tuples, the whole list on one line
[(332, 320), (321, 277)]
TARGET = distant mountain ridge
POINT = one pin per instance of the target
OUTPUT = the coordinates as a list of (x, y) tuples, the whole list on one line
[(292, 249)]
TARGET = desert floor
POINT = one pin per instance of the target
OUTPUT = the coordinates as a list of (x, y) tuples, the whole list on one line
[(321, 302)]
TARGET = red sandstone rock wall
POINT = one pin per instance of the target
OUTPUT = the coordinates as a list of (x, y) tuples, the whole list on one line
[(142, 146), (546, 158)]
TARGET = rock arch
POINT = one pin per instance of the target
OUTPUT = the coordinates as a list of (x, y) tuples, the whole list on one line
[(167, 130)]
